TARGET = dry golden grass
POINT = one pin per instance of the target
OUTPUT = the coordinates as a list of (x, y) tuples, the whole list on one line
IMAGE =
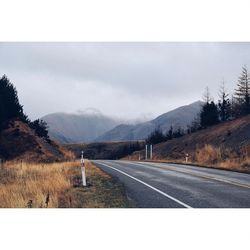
[(102, 192), (26, 181), (208, 154), (217, 157), (56, 185), (223, 158)]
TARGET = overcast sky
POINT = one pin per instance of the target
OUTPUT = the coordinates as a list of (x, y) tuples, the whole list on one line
[(125, 80)]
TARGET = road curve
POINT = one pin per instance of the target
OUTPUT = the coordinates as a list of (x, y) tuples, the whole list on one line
[(164, 185)]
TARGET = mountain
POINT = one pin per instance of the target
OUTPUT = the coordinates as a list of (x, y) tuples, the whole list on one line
[(78, 128), (178, 118)]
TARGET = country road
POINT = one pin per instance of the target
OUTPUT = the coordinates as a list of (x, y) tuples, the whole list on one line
[(164, 185)]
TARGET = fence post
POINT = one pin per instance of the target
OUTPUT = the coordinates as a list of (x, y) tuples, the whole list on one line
[(84, 183)]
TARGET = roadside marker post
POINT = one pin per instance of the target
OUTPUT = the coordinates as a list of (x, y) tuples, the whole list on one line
[(84, 183), (186, 156), (151, 152)]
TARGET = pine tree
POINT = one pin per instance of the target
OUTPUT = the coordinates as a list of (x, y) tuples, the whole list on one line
[(224, 105), (206, 96), (209, 113), (9, 103), (41, 128), (178, 133), (242, 93), (195, 125), (169, 135), (156, 136)]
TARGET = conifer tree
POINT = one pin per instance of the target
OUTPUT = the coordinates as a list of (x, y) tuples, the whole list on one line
[(156, 136), (206, 96), (242, 93), (224, 105), (9, 103), (209, 113), (41, 128), (170, 133)]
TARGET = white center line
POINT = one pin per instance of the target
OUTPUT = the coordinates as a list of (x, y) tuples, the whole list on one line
[(153, 188)]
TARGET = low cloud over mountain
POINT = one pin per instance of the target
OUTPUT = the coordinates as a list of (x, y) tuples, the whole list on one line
[(94, 126)]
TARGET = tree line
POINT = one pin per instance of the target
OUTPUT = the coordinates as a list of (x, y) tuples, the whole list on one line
[(227, 108), (158, 136), (10, 108), (212, 113)]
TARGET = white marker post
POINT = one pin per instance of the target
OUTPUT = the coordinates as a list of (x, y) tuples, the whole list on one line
[(151, 152), (187, 155), (146, 156), (84, 183)]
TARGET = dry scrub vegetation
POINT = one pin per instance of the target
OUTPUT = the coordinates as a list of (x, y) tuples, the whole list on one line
[(223, 158), (217, 157), (57, 185), (210, 156)]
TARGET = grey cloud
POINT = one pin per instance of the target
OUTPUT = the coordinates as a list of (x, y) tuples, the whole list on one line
[(120, 79)]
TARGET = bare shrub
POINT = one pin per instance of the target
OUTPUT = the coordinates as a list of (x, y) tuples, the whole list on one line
[(223, 157), (208, 154)]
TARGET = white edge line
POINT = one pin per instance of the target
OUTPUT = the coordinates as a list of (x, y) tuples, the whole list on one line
[(144, 183)]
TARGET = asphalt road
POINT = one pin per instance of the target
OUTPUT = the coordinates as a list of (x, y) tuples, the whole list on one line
[(163, 185)]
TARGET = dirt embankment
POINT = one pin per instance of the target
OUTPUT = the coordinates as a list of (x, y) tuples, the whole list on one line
[(18, 141)]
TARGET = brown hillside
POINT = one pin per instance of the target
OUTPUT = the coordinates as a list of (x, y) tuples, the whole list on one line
[(18, 141), (226, 145)]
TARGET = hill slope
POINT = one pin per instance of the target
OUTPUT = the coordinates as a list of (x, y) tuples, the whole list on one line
[(226, 145), (180, 117), (19, 142), (76, 128)]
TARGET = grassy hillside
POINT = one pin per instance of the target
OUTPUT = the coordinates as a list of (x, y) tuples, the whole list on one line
[(18, 141), (226, 145)]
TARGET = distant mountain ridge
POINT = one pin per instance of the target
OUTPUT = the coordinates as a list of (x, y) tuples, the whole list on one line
[(95, 127), (178, 118), (78, 128)]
